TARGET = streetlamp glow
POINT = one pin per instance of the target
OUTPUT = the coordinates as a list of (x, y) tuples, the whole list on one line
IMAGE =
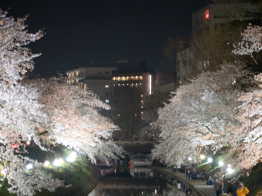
[(202, 156), (210, 160), (3, 172), (29, 166), (229, 170), (72, 157), (220, 163), (189, 158), (47, 163), (58, 162)]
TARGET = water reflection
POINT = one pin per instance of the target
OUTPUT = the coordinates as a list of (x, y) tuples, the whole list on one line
[(121, 180)]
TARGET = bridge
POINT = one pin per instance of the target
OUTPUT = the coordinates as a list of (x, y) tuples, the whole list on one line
[(137, 146)]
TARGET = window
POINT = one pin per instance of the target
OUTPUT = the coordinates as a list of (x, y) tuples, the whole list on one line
[(135, 114), (107, 100), (118, 115), (206, 15), (107, 86), (106, 72)]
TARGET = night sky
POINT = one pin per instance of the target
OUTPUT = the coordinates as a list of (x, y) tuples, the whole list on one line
[(82, 31)]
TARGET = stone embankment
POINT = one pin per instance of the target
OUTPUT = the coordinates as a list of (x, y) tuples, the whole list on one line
[(197, 186)]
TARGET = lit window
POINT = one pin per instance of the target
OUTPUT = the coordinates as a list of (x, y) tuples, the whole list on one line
[(67, 81), (106, 86), (142, 101), (142, 95), (107, 108), (206, 15), (135, 114), (123, 84), (114, 78), (107, 100), (142, 112), (127, 84), (114, 84), (118, 84), (118, 115), (142, 106), (140, 83)]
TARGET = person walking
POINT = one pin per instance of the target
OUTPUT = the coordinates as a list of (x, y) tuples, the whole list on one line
[(217, 188), (242, 191), (223, 189)]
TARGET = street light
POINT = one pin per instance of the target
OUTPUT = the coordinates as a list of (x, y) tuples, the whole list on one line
[(229, 170), (58, 162), (220, 163), (72, 157), (202, 156), (29, 166), (189, 158), (47, 163), (210, 160)]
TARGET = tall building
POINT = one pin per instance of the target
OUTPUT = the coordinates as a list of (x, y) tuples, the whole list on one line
[(215, 14), (122, 85)]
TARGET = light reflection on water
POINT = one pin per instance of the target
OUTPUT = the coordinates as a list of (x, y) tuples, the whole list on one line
[(120, 180)]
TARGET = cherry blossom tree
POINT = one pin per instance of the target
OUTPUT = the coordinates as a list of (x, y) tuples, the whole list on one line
[(74, 119), (215, 110), (200, 115), (49, 111)]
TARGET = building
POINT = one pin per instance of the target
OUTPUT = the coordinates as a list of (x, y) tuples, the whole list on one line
[(122, 85), (97, 79), (215, 14)]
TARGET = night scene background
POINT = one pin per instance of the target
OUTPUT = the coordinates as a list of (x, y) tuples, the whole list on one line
[(101, 32)]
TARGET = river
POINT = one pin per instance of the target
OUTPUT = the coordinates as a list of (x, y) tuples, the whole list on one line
[(123, 180)]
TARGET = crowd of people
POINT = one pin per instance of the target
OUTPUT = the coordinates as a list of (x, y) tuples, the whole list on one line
[(221, 188)]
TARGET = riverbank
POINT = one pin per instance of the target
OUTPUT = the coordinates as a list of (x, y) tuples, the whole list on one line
[(196, 185), (86, 186)]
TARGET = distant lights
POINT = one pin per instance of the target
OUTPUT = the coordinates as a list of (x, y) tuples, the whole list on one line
[(229, 170), (29, 166), (72, 157), (58, 162), (47, 163), (220, 163), (150, 85), (15, 146), (209, 160), (3, 172), (189, 158), (202, 156)]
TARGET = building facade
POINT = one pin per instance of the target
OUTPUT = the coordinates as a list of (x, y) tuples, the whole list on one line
[(216, 14), (97, 79)]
